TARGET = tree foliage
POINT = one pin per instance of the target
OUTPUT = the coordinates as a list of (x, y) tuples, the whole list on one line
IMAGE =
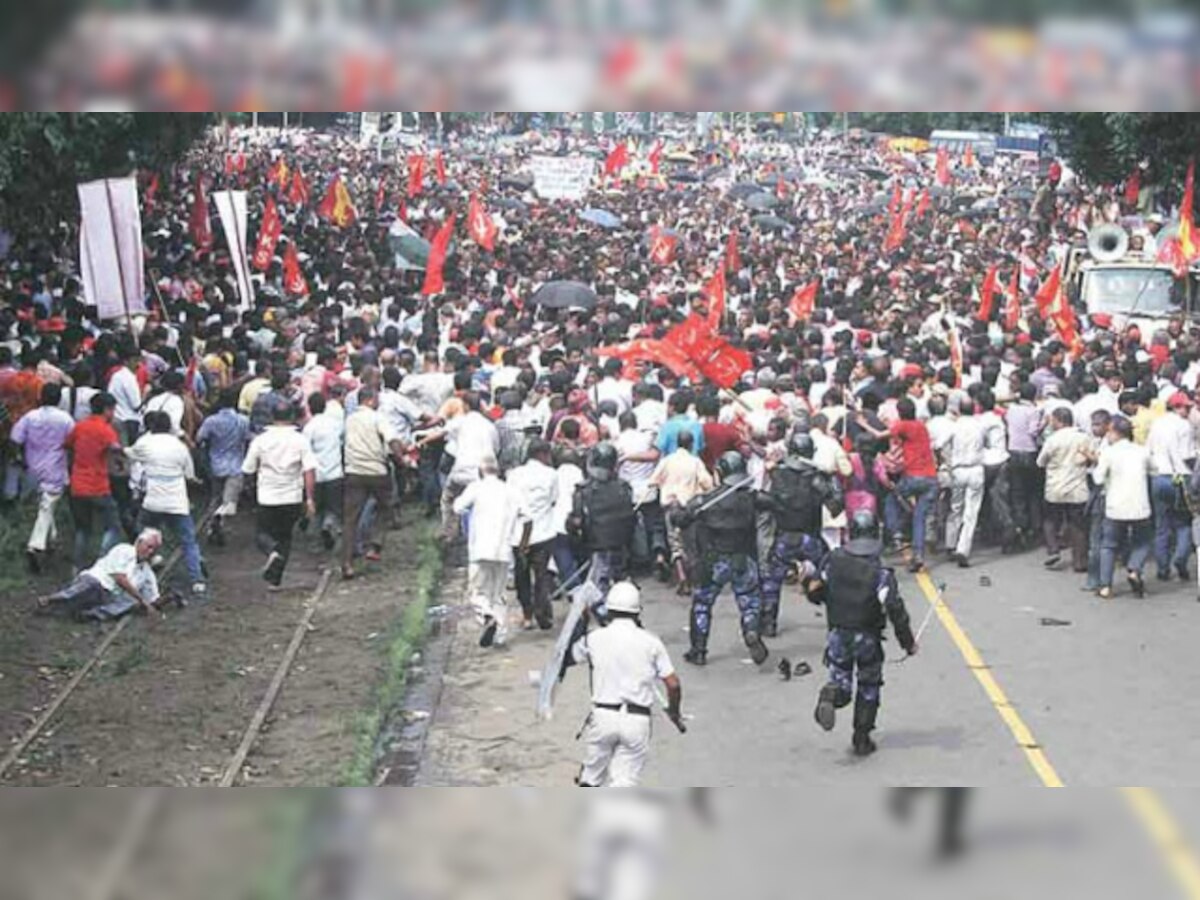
[(44, 155)]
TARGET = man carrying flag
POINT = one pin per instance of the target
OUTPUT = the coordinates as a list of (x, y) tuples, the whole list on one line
[(987, 295), (278, 174), (416, 174), (1012, 315)]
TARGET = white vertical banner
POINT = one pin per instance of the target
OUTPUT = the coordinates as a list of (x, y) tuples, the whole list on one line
[(231, 207), (110, 247)]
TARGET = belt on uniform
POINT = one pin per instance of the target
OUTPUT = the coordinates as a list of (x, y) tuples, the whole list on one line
[(631, 708)]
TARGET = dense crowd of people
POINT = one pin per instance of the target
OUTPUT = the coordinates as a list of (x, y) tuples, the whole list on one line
[(332, 400)]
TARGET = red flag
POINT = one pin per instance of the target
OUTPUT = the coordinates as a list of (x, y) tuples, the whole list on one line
[(380, 196), (1013, 314), (733, 259), (658, 352), (724, 364), (617, 159), (268, 236), (969, 157), (293, 279), (894, 203), (151, 191), (337, 207), (198, 223), (656, 157), (899, 227), (480, 225), (1133, 187), (439, 168), (804, 301), (715, 292), (228, 163), (922, 204), (434, 283), (662, 246), (278, 174), (943, 166), (239, 163), (298, 192), (1172, 254), (1048, 293), (1187, 239), (987, 295), (716, 359), (780, 188), (416, 173)]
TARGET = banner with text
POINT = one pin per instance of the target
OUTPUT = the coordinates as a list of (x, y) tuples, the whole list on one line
[(562, 177)]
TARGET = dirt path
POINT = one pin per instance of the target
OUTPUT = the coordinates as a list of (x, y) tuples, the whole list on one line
[(172, 697)]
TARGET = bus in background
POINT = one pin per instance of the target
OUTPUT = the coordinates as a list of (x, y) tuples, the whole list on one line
[(1027, 139), (983, 143)]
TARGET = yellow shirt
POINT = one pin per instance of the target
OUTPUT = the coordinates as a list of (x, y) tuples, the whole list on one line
[(250, 391), (1146, 417)]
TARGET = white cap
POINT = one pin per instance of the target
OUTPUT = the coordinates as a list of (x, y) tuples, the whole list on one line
[(624, 597)]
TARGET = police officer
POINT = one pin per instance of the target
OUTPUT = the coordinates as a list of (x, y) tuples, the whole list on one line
[(725, 534), (796, 495), (603, 513), (859, 590), (625, 663)]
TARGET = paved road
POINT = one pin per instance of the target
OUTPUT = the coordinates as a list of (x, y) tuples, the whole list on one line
[(995, 697)]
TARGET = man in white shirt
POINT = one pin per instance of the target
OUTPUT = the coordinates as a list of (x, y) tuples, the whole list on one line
[(495, 509), (536, 483), (370, 442), (963, 447), (612, 387), (170, 401), (167, 466), (995, 469), (638, 458), (287, 476), (1171, 446), (473, 438), (325, 433), (119, 581), (1122, 471), (125, 390), (625, 663)]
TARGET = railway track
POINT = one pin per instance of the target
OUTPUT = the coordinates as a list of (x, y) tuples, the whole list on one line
[(232, 770)]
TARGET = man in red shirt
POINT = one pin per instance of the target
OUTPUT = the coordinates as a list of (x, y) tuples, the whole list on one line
[(90, 443), (719, 438), (917, 486)]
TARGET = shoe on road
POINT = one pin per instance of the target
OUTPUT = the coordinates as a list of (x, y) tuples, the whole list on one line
[(488, 637)]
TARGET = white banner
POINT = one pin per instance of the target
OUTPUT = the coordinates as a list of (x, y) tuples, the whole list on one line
[(110, 247), (231, 207), (562, 177)]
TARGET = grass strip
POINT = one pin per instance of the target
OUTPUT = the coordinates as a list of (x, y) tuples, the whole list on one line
[(406, 638)]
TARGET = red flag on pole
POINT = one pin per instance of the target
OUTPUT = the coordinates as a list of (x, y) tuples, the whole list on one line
[(293, 279), (943, 166), (298, 191), (1013, 313), (969, 157), (1048, 293), (1172, 254), (617, 159), (416, 173), (278, 173), (662, 246), (987, 295), (894, 203), (337, 207), (1187, 238), (656, 157), (804, 301), (434, 283), (1133, 187), (715, 292), (198, 223), (922, 204), (268, 236), (439, 168), (733, 259), (480, 225)]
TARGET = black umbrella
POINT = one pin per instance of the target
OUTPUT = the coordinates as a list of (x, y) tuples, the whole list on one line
[(688, 177), (744, 189), (877, 174), (564, 295), (520, 182), (762, 201), (770, 222), (511, 203)]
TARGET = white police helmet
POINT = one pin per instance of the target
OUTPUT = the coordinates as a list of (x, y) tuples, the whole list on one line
[(624, 597)]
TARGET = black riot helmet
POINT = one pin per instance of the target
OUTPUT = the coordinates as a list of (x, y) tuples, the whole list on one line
[(731, 465), (802, 445), (603, 458), (864, 525)]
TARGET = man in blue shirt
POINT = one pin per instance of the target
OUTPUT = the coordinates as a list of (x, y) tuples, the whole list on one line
[(668, 435), (225, 435)]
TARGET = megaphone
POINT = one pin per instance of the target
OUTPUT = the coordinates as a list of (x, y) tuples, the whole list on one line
[(1107, 243)]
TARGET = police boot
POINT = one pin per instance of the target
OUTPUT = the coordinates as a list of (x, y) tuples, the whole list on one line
[(826, 713), (864, 724), (758, 650), (769, 622)]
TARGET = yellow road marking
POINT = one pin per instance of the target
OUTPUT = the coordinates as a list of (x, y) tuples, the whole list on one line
[(1165, 833), (1020, 731)]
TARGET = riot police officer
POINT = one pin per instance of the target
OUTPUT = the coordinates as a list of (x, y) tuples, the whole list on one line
[(796, 495), (603, 514), (725, 535), (861, 594)]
